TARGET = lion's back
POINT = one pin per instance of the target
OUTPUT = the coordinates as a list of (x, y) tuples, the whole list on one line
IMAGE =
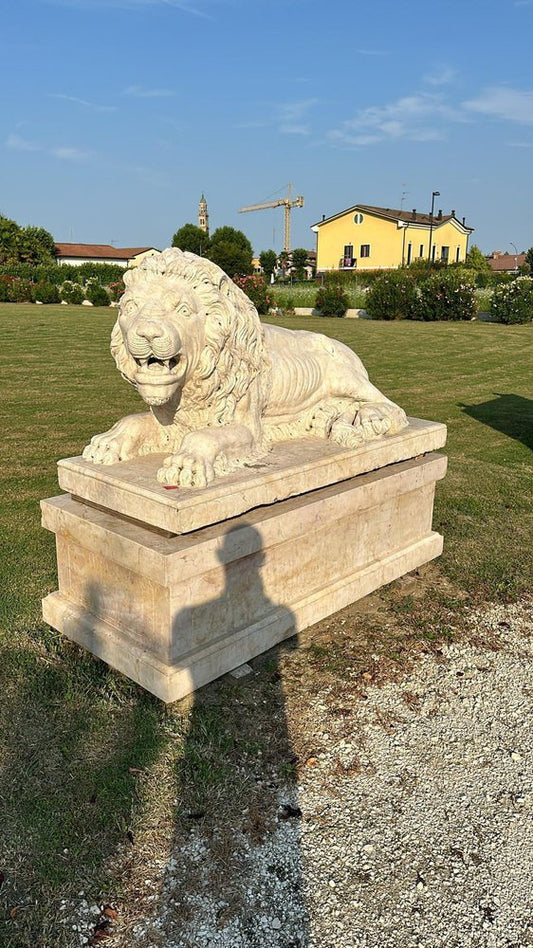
[(299, 342)]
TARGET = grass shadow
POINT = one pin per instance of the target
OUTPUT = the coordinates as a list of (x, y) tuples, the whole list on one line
[(510, 414)]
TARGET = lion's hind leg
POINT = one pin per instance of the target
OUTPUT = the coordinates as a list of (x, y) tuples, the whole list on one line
[(367, 423), (357, 424), (321, 419)]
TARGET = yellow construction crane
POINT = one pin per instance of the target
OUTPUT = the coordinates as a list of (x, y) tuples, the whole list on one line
[(285, 202)]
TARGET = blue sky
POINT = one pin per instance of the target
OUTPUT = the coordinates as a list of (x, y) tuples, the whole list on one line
[(117, 114)]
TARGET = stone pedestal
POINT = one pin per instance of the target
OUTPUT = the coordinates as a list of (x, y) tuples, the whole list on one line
[(176, 587)]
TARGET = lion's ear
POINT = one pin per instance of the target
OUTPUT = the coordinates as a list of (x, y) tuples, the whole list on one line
[(125, 363), (224, 286)]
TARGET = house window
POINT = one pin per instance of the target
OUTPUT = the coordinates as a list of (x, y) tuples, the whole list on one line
[(365, 250), (421, 251), (409, 253), (458, 255), (347, 257), (433, 252), (444, 254), (358, 218)]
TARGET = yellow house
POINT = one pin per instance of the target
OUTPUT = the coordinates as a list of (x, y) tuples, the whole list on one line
[(364, 237)]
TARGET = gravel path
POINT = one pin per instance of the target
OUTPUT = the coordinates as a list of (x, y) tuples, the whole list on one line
[(415, 830)]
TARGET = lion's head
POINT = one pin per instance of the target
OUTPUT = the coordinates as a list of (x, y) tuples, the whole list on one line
[(185, 329)]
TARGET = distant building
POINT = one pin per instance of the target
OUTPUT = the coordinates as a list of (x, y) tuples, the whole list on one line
[(366, 237), (505, 262), (77, 254), (203, 216)]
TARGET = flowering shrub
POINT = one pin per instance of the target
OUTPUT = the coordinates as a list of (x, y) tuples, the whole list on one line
[(5, 286), (116, 290), (72, 292), (15, 290), (332, 300), (45, 292), (392, 296), (446, 295), (513, 302), (257, 290)]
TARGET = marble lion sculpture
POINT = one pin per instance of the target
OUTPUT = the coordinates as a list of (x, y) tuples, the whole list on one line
[(221, 386)]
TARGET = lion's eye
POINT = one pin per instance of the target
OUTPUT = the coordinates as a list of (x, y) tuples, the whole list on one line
[(184, 310), (129, 308)]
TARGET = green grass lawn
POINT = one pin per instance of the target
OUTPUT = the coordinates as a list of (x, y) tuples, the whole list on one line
[(73, 734)]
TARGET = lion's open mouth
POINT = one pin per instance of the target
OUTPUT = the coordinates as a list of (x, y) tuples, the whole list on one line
[(154, 366), (157, 379)]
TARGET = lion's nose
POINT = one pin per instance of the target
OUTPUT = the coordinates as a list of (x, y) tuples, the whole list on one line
[(149, 329)]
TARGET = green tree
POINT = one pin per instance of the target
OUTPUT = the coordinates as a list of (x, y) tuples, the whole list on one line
[(299, 258), (36, 246), (232, 251), (192, 238), (231, 258), (8, 240), (33, 245), (284, 261), (232, 236), (268, 260), (476, 260), (529, 259)]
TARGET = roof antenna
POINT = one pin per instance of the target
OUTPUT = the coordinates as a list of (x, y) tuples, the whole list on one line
[(404, 195)]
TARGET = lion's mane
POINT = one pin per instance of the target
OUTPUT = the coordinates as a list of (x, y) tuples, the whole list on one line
[(234, 354)]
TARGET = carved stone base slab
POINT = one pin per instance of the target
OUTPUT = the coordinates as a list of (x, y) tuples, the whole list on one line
[(291, 468), (175, 612)]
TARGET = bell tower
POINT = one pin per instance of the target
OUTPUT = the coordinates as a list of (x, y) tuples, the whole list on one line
[(203, 216)]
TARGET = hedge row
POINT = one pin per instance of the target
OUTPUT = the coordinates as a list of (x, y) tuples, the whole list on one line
[(481, 279), (103, 273), (442, 295), (19, 290)]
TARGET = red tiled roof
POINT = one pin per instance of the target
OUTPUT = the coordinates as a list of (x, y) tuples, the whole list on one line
[(506, 261), (102, 251)]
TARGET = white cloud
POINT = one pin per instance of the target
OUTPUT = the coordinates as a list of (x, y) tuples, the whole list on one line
[(185, 6), (291, 116), (84, 102), (68, 154), (442, 77), (515, 105), (418, 117), (21, 144), (371, 52), (65, 152), (251, 124), (140, 93)]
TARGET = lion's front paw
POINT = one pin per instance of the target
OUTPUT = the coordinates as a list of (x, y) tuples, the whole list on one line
[(373, 421), (107, 448), (186, 470), (128, 438)]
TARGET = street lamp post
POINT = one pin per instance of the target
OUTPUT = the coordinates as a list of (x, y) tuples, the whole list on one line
[(433, 196), (515, 255)]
